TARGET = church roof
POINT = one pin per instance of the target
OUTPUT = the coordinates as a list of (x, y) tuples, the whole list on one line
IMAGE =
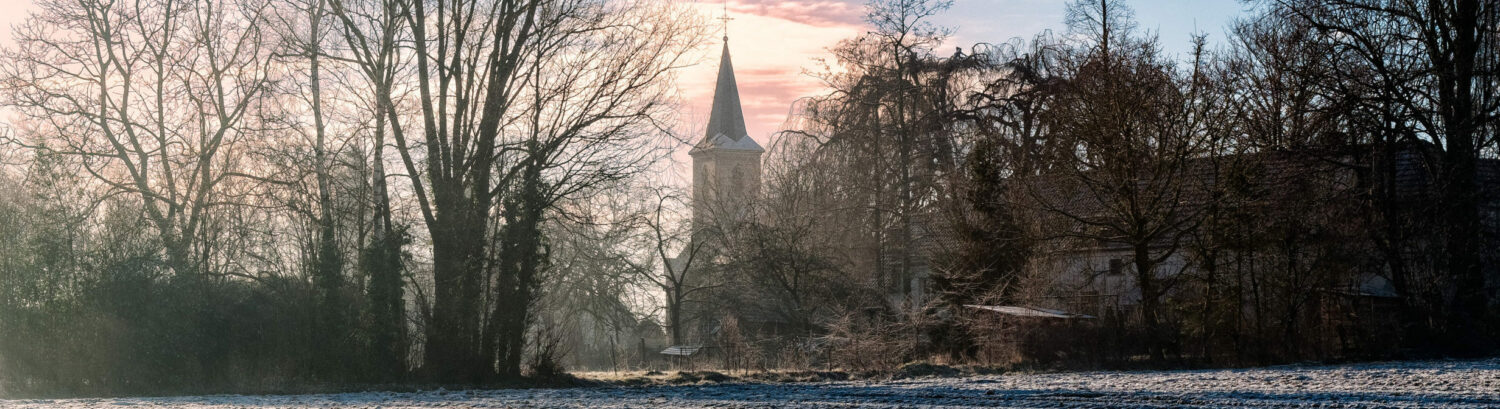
[(726, 121)]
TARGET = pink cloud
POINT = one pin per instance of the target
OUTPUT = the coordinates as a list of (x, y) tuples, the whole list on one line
[(767, 107), (820, 13)]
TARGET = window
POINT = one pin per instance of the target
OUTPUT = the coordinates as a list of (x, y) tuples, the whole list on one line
[(1116, 266), (737, 181)]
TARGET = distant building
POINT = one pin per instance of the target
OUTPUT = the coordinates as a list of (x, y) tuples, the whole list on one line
[(1096, 276)]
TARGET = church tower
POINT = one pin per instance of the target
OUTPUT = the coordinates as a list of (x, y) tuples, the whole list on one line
[(726, 163)]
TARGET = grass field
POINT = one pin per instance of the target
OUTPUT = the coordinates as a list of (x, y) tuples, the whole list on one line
[(1428, 384)]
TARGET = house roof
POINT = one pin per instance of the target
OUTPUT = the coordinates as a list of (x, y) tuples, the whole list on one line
[(1020, 311), (682, 350)]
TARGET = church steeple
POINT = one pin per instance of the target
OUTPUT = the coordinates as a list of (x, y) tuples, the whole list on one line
[(726, 121), (726, 163)]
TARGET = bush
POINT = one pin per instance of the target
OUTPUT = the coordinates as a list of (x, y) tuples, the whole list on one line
[(137, 328)]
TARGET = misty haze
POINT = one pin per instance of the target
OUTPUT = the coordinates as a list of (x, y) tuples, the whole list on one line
[(749, 203)]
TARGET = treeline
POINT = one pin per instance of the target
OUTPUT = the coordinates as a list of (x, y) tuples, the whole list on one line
[(263, 194), (1321, 185), (257, 194)]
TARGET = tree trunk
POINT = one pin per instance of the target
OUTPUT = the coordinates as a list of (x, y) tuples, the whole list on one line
[(1460, 197), (674, 312), (1145, 275), (521, 258), (452, 351), (382, 263)]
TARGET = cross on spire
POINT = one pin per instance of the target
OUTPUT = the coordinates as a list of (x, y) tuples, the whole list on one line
[(725, 18)]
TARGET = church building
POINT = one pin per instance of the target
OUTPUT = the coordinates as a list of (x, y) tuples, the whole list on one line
[(726, 181)]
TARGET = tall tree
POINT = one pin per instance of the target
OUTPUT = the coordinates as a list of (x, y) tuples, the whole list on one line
[(885, 133), (519, 104), (590, 122), (1134, 125), (370, 32), (303, 35), (1434, 64)]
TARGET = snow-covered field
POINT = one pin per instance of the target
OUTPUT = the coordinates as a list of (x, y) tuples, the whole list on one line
[(1442, 384)]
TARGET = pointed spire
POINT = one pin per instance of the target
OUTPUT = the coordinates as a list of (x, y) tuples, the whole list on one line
[(726, 118)]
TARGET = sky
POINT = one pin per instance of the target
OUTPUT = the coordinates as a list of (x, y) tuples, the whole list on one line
[(775, 42)]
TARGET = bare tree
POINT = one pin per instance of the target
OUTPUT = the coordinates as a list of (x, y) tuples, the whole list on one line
[(520, 103), (680, 277), (1135, 125), (154, 95)]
